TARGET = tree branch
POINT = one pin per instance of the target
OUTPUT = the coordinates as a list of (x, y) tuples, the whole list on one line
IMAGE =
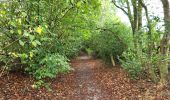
[(119, 39), (114, 2)]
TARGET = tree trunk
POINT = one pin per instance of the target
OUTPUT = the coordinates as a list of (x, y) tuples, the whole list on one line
[(164, 43), (164, 64), (139, 16), (149, 66), (112, 60)]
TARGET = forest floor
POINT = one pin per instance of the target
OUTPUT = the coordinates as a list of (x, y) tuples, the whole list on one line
[(91, 79)]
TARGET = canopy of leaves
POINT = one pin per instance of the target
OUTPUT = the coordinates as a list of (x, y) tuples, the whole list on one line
[(39, 35)]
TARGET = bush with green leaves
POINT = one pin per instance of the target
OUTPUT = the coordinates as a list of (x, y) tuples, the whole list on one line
[(47, 67), (112, 39), (132, 63), (40, 35), (137, 61), (50, 66)]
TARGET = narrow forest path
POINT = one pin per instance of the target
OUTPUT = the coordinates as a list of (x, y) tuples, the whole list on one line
[(89, 88), (90, 80)]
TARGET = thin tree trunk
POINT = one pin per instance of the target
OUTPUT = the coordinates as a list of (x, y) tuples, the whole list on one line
[(112, 60), (135, 10), (150, 44), (139, 16), (164, 43)]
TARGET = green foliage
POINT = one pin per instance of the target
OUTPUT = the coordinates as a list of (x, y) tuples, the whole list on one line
[(89, 51), (111, 39), (42, 34), (137, 59), (132, 63), (51, 65), (40, 83)]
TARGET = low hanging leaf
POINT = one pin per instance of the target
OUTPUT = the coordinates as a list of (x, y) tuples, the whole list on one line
[(26, 33), (11, 31), (31, 55), (31, 37), (21, 43), (39, 30), (78, 4), (19, 32), (34, 44), (38, 42), (23, 56), (24, 14), (19, 21), (3, 12), (14, 54)]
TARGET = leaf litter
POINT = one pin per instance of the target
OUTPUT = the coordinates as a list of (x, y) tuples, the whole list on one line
[(91, 79)]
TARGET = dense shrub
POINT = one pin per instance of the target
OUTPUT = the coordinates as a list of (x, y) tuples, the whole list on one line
[(112, 39), (51, 65), (132, 63), (137, 61), (40, 35)]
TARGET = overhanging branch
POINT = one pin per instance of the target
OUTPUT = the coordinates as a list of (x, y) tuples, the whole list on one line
[(114, 2), (119, 39)]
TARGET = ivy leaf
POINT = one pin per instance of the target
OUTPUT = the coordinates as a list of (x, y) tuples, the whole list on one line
[(23, 56), (78, 4), (3, 12), (38, 42), (26, 33), (19, 32), (19, 21), (21, 43), (13, 23), (39, 30), (31, 37), (11, 31), (24, 14), (34, 43), (31, 54)]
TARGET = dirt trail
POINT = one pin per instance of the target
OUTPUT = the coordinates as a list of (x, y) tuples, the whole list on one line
[(90, 80), (89, 88)]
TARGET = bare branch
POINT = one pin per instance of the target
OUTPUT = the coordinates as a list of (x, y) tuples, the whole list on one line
[(114, 2)]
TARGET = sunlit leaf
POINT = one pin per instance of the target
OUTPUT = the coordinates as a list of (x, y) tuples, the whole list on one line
[(38, 42), (23, 56), (19, 21), (34, 43), (31, 37), (3, 12), (12, 31), (19, 32), (78, 4), (26, 33), (39, 30), (31, 54), (21, 43)]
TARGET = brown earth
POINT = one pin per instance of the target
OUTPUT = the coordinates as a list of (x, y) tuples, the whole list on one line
[(90, 80)]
